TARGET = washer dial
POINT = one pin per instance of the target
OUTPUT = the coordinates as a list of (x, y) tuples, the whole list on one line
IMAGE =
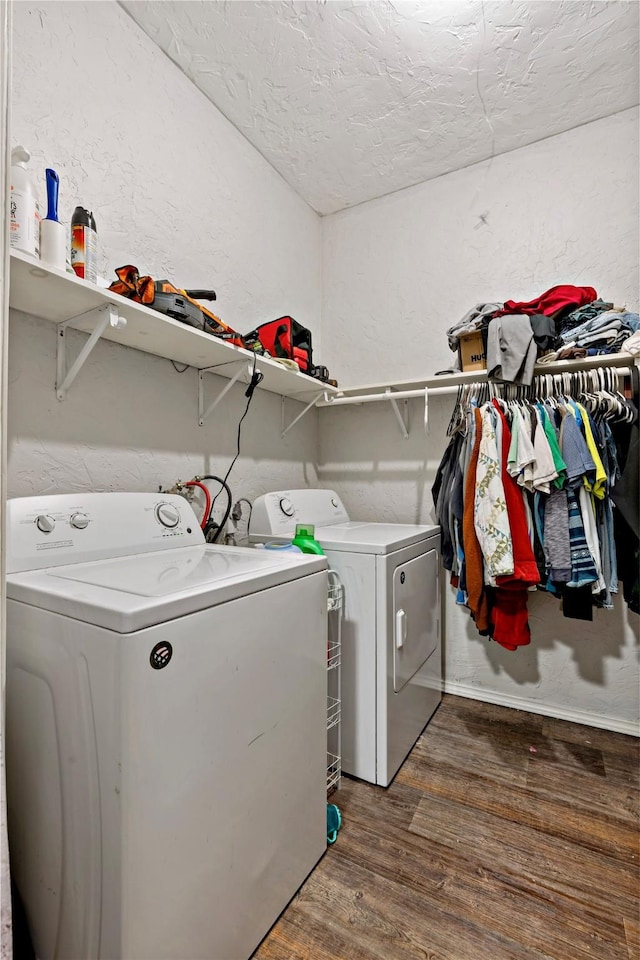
[(45, 523), (167, 515), (286, 506), (79, 520)]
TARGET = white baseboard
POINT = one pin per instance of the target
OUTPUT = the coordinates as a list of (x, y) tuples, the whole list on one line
[(545, 709)]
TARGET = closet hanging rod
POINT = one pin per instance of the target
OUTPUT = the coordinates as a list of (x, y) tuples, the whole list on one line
[(388, 395), (450, 390)]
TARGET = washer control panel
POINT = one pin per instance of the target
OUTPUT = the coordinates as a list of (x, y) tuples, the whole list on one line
[(72, 528), (276, 514)]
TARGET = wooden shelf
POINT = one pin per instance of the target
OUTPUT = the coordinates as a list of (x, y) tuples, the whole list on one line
[(60, 297)]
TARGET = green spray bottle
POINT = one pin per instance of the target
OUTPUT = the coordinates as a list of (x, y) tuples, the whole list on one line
[(305, 539)]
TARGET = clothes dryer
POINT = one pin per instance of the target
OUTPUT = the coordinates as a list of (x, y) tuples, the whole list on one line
[(166, 729), (391, 646)]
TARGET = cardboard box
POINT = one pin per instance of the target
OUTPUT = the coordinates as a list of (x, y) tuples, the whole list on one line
[(471, 352)]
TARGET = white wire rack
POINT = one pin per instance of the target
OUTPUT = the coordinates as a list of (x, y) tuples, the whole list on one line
[(333, 712), (335, 602), (335, 592), (334, 654), (334, 771)]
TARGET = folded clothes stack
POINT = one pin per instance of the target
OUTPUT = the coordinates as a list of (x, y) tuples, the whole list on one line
[(475, 319), (565, 322), (603, 333)]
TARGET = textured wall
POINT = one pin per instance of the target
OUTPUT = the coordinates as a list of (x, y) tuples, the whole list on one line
[(179, 192), (397, 273)]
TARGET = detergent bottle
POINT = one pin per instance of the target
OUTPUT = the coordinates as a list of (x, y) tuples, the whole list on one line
[(24, 229), (305, 538)]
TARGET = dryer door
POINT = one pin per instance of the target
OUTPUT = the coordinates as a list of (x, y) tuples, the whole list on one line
[(415, 614)]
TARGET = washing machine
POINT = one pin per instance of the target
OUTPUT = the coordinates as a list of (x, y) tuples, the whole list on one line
[(391, 648), (166, 729)]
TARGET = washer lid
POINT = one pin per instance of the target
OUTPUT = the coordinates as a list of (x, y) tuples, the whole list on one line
[(362, 537), (129, 593)]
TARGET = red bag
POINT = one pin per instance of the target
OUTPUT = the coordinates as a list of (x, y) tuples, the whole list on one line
[(286, 338)]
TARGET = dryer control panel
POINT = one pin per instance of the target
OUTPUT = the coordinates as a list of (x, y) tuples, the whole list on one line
[(63, 528), (276, 514)]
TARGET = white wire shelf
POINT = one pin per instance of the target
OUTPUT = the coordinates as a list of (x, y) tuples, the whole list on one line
[(333, 712), (333, 654), (335, 592), (334, 770), (335, 602)]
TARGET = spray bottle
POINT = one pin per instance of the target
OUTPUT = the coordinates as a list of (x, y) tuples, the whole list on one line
[(24, 228), (84, 245)]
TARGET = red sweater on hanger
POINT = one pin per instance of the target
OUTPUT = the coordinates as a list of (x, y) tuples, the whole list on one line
[(553, 300)]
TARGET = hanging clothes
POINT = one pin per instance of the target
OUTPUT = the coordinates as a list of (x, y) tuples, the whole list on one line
[(557, 543), (478, 600), (541, 494), (490, 508), (511, 350), (625, 495), (545, 472), (509, 615), (441, 493)]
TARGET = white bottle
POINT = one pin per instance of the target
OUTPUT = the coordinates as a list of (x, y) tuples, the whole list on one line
[(24, 228)]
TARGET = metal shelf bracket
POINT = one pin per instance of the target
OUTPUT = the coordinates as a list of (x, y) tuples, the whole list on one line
[(285, 429), (401, 417), (105, 316), (243, 367)]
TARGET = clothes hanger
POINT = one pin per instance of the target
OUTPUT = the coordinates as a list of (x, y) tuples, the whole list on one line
[(456, 414)]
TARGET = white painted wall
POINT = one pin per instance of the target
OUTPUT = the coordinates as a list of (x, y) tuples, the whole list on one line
[(176, 190), (396, 273)]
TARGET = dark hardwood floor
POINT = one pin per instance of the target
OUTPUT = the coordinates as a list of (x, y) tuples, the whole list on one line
[(505, 836)]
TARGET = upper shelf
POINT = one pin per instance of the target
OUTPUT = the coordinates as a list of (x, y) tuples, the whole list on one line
[(45, 292), (60, 297)]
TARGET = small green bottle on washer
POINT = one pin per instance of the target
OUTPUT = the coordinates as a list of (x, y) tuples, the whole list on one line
[(305, 538)]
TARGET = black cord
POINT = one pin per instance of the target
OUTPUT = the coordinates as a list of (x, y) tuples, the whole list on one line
[(238, 515), (256, 378), (249, 504), (173, 364), (212, 530)]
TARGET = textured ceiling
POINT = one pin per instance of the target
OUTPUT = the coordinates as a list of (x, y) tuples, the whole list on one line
[(353, 100)]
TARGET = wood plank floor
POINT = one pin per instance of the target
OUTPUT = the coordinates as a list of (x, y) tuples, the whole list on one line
[(505, 836)]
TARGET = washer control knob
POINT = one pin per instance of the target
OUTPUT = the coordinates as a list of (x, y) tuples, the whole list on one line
[(167, 515), (45, 523), (286, 506), (79, 520), (334, 502)]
